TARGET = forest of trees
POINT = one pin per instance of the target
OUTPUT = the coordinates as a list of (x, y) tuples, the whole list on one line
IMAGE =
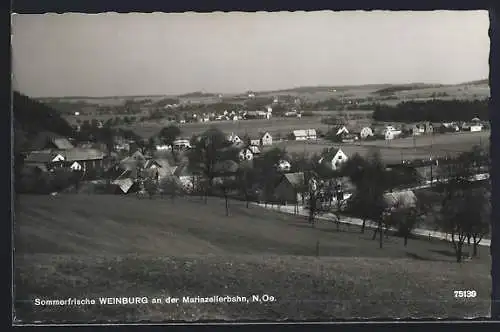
[(432, 110)]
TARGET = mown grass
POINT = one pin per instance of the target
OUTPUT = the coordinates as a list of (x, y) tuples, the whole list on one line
[(93, 246)]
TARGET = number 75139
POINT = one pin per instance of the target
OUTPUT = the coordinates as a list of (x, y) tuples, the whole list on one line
[(463, 294)]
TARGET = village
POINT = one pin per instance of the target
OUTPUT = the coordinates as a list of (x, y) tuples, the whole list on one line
[(125, 165), (335, 162)]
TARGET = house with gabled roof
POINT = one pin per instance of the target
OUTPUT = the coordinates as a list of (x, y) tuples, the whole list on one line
[(235, 139), (45, 159), (365, 133), (246, 154), (304, 134), (340, 130), (266, 139), (255, 149), (288, 189), (333, 159), (80, 159)]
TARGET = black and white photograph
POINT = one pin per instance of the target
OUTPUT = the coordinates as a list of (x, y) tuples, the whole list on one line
[(251, 166)]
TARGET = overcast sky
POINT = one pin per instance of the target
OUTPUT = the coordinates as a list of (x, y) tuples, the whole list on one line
[(143, 54)]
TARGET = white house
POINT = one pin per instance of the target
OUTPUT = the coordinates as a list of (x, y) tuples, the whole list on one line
[(366, 132), (246, 154), (475, 127), (266, 139), (333, 158), (182, 144), (75, 166), (284, 166), (311, 134), (163, 147), (390, 132), (255, 149), (255, 142), (235, 139), (299, 135), (304, 134)]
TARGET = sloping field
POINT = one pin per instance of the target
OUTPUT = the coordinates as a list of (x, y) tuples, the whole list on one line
[(87, 246)]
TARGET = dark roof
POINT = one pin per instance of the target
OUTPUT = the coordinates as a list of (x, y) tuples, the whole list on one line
[(78, 154), (330, 154), (295, 179), (44, 156)]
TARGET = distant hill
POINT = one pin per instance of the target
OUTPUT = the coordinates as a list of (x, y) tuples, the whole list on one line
[(197, 94), (478, 82), (315, 89), (405, 87)]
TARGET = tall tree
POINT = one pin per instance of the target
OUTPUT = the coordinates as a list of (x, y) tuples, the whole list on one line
[(209, 148), (168, 135), (246, 178), (455, 211), (370, 180), (477, 222)]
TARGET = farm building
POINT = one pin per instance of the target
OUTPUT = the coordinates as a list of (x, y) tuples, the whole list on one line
[(79, 159), (365, 132), (45, 159), (289, 187), (266, 139), (304, 134), (333, 158)]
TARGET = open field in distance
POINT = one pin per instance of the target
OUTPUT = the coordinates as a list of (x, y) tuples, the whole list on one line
[(76, 246), (398, 149), (283, 126)]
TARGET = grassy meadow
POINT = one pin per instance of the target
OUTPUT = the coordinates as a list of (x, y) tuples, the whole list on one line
[(92, 246)]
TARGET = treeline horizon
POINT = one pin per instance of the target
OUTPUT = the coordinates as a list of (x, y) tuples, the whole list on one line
[(433, 111)]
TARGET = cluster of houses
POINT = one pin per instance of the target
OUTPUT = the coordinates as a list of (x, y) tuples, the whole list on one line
[(52, 151), (389, 132)]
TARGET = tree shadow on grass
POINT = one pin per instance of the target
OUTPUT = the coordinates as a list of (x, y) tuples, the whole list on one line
[(420, 258), (448, 253)]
